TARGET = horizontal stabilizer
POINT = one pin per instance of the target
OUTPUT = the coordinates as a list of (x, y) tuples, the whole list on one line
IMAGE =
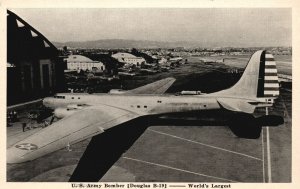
[(158, 87), (237, 105)]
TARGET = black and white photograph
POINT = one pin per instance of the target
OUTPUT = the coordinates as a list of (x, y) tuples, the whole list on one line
[(198, 97)]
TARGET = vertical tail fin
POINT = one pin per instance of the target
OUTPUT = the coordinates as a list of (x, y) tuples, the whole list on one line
[(259, 79)]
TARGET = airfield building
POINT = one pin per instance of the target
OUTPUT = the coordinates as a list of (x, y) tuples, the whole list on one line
[(128, 58), (34, 67), (79, 62)]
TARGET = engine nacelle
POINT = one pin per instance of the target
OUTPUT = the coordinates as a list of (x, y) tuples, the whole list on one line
[(63, 112)]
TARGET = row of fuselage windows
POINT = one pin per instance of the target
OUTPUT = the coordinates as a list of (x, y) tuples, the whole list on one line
[(63, 97), (138, 106)]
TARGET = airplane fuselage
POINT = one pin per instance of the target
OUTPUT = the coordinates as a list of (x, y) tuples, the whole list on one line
[(140, 104)]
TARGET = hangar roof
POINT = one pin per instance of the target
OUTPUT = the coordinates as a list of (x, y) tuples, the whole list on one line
[(123, 55), (79, 58)]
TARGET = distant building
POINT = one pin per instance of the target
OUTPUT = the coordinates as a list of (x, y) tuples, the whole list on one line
[(148, 58), (129, 59), (176, 59), (79, 62), (163, 61), (34, 67), (110, 63)]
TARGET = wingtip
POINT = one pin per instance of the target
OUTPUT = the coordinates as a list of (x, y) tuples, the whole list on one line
[(13, 156), (171, 78), (21, 152)]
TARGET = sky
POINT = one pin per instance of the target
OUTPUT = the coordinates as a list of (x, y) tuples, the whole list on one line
[(215, 27)]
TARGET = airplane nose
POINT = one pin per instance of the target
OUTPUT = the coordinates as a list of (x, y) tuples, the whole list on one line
[(46, 101)]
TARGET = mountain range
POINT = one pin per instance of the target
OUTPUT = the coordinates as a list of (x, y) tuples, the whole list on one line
[(124, 43)]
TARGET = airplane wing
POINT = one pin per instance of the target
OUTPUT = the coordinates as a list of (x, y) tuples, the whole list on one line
[(158, 87), (80, 125)]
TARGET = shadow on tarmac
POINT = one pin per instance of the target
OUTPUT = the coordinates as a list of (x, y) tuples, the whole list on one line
[(105, 149)]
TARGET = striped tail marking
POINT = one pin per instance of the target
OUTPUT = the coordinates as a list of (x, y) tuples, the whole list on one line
[(268, 84), (271, 83)]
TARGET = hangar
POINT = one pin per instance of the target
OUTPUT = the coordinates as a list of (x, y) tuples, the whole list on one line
[(79, 62), (34, 67), (129, 59)]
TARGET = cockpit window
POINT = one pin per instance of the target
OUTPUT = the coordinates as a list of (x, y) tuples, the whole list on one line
[(61, 97)]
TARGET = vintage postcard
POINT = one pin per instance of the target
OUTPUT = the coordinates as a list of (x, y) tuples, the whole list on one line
[(149, 95)]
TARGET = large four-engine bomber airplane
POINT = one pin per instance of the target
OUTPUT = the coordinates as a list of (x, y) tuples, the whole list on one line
[(86, 115)]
